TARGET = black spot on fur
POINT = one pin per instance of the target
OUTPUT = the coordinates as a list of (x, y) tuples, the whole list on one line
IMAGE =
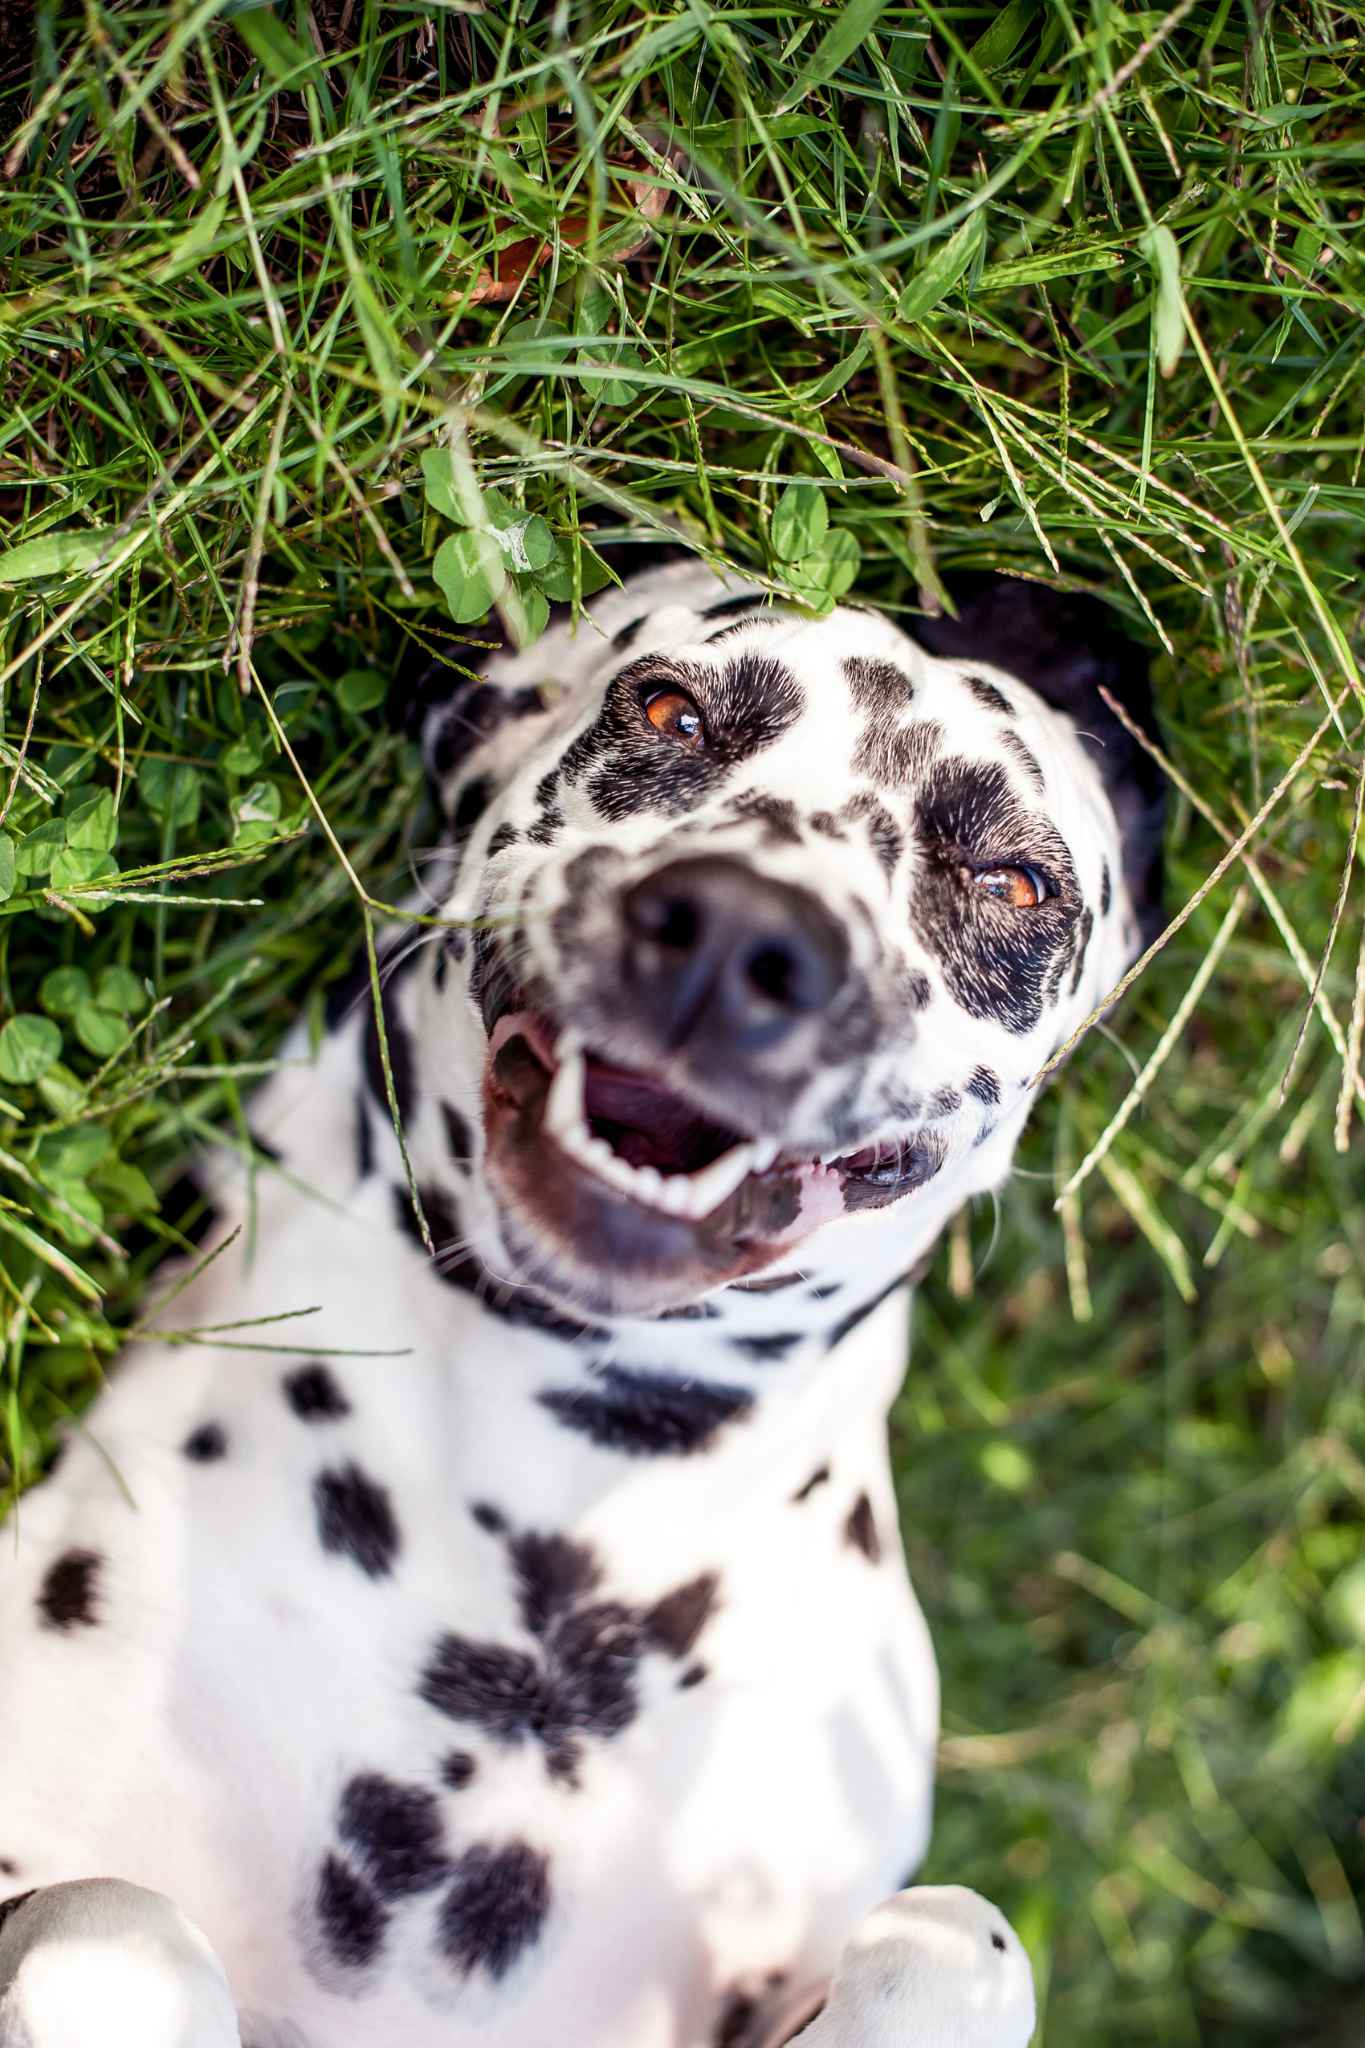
[(351, 1918), (8, 1867), (985, 1086), (944, 1102), (774, 813), (645, 1414), (726, 607), (364, 1139), (775, 1285), (897, 755), (694, 1675), (998, 1942), (624, 636), (206, 1444), (766, 1349), (887, 841), (825, 823), (490, 1519), (988, 696), (314, 1395), (458, 1136), (355, 1519), (850, 1322), (474, 712), (994, 959), (8, 1906), (485, 1684), (878, 685), (1083, 931), (631, 770), (505, 836), (861, 1530), (740, 625), (547, 827), (1025, 757), (395, 1834), (553, 1573), (819, 1477), (495, 1907), (917, 991), (516, 1306), (582, 1679), (674, 1623), (458, 1770), (66, 1599), (1106, 889), (826, 1290), (470, 806)]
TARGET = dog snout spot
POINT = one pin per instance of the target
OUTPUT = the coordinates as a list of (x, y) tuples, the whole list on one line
[(716, 951)]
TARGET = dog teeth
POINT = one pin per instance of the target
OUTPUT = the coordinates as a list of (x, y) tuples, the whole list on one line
[(564, 1104), (690, 1195)]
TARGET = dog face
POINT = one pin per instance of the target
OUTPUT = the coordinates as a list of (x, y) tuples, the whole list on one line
[(772, 922)]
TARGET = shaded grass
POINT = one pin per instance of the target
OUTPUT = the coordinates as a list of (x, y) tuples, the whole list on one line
[(1075, 292)]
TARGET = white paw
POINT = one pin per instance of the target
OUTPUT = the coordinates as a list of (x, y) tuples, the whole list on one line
[(934, 1967), (103, 1964)]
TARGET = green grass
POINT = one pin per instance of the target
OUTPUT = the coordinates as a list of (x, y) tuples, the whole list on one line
[(1071, 290)]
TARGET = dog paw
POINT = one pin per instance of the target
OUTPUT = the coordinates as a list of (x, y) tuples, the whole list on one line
[(104, 1964), (933, 1967)]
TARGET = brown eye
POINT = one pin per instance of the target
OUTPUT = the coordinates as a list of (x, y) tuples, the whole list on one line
[(1020, 888), (673, 713)]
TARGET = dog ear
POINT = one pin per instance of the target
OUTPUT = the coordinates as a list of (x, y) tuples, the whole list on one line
[(468, 711), (1066, 647)]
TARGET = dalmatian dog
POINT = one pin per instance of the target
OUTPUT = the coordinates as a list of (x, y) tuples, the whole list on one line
[(481, 1617)]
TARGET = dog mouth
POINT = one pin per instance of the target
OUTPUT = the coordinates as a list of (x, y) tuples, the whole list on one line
[(637, 1135), (644, 1139), (622, 1170)]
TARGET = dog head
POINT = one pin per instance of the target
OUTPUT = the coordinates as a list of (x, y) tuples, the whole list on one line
[(768, 924)]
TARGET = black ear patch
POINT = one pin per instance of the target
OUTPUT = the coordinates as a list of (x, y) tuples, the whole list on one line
[(1066, 647), (470, 713)]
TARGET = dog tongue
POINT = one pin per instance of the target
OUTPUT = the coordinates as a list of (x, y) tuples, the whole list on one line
[(646, 1124)]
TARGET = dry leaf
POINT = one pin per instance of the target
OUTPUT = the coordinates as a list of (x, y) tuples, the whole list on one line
[(519, 260)]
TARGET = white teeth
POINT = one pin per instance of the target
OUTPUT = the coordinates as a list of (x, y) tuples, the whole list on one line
[(692, 1195), (564, 1104)]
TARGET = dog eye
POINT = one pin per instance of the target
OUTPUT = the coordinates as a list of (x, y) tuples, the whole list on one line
[(673, 713), (1020, 888)]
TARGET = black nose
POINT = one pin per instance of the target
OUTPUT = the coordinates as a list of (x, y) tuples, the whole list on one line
[(714, 950)]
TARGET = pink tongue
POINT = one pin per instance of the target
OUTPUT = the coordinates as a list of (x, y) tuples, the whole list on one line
[(647, 1124)]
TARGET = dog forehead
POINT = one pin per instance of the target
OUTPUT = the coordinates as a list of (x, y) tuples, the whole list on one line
[(874, 706)]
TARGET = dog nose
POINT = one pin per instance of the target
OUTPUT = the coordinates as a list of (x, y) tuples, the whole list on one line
[(714, 950)]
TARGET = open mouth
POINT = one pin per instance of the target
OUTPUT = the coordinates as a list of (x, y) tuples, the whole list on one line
[(643, 1139), (637, 1139)]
